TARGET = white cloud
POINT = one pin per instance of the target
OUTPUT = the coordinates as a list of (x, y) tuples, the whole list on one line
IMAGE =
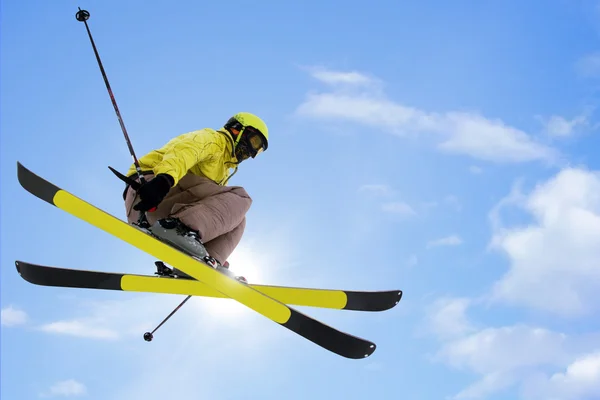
[(341, 78), (558, 126), (487, 385), (68, 388), (399, 208), (112, 320), (447, 317), (580, 381), (505, 349), (503, 356), (11, 316), (516, 356), (456, 132), (490, 140), (582, 377), (452, 240), (378, 189), (365, 109), (86, 328), (514, 198), (555, 259)]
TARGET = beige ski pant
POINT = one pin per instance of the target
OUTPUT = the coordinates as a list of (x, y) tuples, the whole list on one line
[(217, 212)]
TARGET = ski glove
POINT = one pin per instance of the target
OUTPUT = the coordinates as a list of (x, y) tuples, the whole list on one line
[(153, 192)]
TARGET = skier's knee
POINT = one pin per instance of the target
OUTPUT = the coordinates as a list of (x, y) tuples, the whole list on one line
[(241, 192)]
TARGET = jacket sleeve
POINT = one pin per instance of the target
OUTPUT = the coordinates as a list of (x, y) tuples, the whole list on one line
[(187, 150)]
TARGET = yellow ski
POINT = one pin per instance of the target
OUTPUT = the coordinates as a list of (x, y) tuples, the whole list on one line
[(323, 298)]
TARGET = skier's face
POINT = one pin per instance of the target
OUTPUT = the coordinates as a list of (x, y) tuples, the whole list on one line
[(242, 151), (250, 145)]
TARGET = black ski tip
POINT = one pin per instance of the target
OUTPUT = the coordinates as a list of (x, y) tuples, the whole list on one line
[(27, 271), (22, 271), (18, 266), (338, 342), (35, 185), (63, 277), (372, 301)]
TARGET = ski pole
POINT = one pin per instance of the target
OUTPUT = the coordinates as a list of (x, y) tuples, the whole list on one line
[(148, 336), (83, 16)]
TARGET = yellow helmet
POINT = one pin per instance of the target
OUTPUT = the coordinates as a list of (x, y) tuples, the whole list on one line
[(252, 129)]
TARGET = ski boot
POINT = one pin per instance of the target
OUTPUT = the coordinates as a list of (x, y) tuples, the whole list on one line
[(177, 234)]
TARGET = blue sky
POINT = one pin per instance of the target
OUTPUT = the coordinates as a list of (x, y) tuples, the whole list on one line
[(447, 150)]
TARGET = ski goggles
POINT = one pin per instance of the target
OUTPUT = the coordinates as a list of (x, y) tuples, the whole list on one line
[(256, 140)]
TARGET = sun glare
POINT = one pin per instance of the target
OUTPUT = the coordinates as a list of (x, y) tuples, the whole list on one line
[(243, 262)]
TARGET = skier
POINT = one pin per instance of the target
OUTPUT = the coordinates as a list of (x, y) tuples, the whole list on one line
[(185, 194)]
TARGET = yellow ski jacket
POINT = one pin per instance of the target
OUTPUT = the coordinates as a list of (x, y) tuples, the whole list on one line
[(206, 152)]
